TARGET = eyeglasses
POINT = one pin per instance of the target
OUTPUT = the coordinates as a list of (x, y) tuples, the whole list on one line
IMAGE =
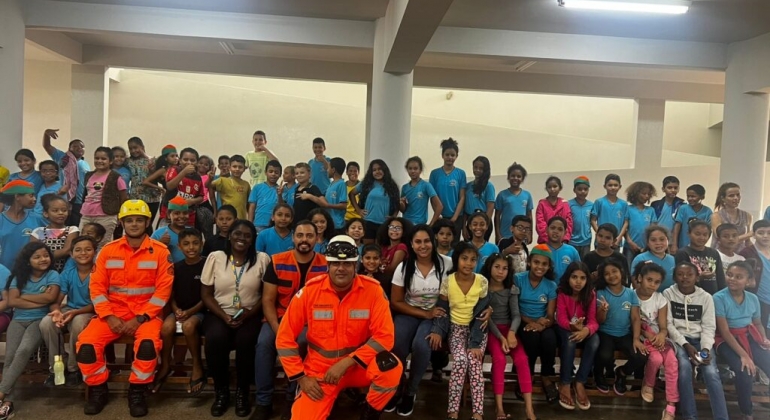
[(342, 250), (395, 228), (522, 228)]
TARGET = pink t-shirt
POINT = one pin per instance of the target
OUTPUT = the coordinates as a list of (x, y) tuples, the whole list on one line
[(92, 204)]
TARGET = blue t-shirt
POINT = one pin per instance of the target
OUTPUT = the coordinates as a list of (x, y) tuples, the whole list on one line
[(4, 274), (319, 176), (683, 216), (667, 262), (288, 194), (320, 247), (173, 244), (53, 189), (377, 203), (271, 243), (475, 201), (13, 236), (533, 303), (607, 212), (767, 214), (484, 252), (618, 321), (76, 290), (763, 293), (50, 278), (737, 316), (34, 178), (447, 187), (638, 220), (417, 199), (125, 174), (666, 219), (562, 258), (265, 198), (511, 205), (337, 194), (581, 223), (83, 168)]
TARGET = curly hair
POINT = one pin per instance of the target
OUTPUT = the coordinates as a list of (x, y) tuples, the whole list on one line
[(390, 186), (635, 190)]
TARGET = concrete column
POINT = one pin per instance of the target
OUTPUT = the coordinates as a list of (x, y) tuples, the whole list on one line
[(649, 132), (90, 88), (390, 115), (11, 80)]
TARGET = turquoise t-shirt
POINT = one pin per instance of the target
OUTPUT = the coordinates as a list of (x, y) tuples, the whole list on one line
[(448, 188), (511, 205), (618, 321), (76, 290), (484, 252), (638, 220), (173, 244), (581, 223), (271, 243), (607, 212), (13, 235), (562, 258), (288, 194), (533, 302), (337, 194), (4, 274), (417, 199), (683, 216), (319, 176), (666, 219), (737, 316), (667, 262), (39, 286), (53, 189), (475, 201), (265, 198), (377, 203)]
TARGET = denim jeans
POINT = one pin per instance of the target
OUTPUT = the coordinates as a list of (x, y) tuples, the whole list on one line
[(410, 338), (713, 383), (264, 365), (567, 354), (744, 382)]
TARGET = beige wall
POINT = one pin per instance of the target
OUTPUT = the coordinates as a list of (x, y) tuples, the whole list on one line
[(47, 104)]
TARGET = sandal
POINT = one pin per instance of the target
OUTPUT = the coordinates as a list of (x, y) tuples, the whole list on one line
[(551, 393), (565, 400), (583, 405), (195, 382), (158, 383)]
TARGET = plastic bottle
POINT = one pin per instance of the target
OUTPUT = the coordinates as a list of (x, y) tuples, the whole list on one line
[(58, 370)]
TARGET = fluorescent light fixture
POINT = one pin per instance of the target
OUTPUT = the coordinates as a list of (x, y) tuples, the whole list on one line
[(674, 7)]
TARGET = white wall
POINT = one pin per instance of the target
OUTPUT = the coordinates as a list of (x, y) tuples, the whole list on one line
[(47, 104)]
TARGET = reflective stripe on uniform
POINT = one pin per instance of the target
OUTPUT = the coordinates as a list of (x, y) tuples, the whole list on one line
[(288, 352), (157, 301), (332, 354), (144, 265), (100, 299), (98, 371), (377, 388), (141, 375), (375, 345), (115, 264), (132, 291)]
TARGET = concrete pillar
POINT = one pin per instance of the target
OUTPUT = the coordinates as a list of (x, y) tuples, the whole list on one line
[(650, 114), (90, 88), (390, 114), (11, 80)]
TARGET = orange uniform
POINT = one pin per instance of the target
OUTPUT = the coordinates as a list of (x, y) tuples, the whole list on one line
[(359, 326), (126, 283)]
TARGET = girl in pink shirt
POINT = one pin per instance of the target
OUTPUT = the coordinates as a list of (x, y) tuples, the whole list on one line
[(551, 206)]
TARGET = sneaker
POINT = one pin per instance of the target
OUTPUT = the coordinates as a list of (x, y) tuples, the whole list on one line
[(262, 412), (50, 380), (601, 386), (647, 393), (137, 404), (406, 406), (620, 382), (391, 406), (6, 411), (437, 376), (73, 378), (668, 415)]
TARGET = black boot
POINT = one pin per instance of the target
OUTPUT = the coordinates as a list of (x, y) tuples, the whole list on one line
[(97, 399), (242, 404), (370, 413), (221, 402), (137, 404)]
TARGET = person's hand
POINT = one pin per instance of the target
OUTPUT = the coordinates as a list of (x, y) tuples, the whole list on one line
[(504, 345), (51, 133), (189, 169), (639, 347), (66, 318), (476, 354), (436, 312), (453, 219), (513, 342), (305, 196), (748, 365), (435, 341), (63, 190), (484, 317), (576, 324), (115, 324), (634, 247), (534, 327), (335, 373), (236, 323), (603, 305), (579, 336), (515, 248), (55, 315), (166, 238), (658, 339), (617, 242), (181, 315), (691, 352), (363, 212), (672, 249), (130, 326), (311, 388), (280, 188)]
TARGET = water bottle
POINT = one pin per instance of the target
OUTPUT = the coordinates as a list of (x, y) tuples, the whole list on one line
[(58, 370)]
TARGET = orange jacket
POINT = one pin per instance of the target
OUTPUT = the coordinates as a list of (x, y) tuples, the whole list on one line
[(358, 326), (128, 282), (287, 271)]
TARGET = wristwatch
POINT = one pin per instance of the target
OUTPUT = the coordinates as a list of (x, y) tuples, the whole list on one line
[(141, 319)]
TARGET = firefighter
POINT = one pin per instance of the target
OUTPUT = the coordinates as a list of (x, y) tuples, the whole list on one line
[(129, 288), (349, 335)]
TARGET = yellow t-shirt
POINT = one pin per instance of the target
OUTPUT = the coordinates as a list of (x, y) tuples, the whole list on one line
[(234, 192), (461, 304), (350, 213), (256, 163)]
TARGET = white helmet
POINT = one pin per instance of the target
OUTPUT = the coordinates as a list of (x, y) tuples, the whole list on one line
[(342, 248)]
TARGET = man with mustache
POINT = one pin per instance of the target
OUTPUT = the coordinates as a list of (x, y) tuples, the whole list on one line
[(286, 274)]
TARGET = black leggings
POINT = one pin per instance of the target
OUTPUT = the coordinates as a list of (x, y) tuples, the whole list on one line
[(540, 343), (221, 339), (605, 356)]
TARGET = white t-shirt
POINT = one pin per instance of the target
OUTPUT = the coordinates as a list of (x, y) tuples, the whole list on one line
[(648, 309), (423, 291), (726, 261)]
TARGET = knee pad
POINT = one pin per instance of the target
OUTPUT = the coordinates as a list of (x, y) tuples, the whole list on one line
[(146, 350), (86, 354), (386, 361)]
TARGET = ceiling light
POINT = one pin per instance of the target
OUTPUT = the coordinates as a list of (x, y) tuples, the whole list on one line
[(674, 7), (523, 65)]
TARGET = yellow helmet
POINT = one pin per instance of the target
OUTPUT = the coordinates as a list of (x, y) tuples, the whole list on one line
[(134, 208)]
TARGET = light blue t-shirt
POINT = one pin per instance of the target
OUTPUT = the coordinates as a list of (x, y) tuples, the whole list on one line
[(125, 174), (320, 247), (337, 194), (767, 214), (763, 293), (666, 219), (377, 203), (417, 199), (581, 223), (638, 220), (511, 205), (319, 176), (288, 194), (562, 258), (683, 216), (173, 244), (667, 262), (271, 243), (83, 168), (4, 274), (76, 290), (737, 316), (265, 198), (475, 201), (447, 187), (484, 252), (533, 302), (50, 278), (53, 189), (13, 236), (607, 212), (34, 178), (618, 321)]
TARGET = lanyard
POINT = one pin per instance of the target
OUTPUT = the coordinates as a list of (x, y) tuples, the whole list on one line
[(237, 275)]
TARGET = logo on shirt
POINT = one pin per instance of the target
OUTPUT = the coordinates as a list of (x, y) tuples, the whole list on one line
[(543, 299), (524, 203), (588, 213), (646, 217), (420, 195), (626, 306), (619, 215), (26, 232), (97, 186), (566, 260), (453, 183)]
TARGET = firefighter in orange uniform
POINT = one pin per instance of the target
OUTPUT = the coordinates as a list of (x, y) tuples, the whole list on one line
[(129, 288), (349, 335)]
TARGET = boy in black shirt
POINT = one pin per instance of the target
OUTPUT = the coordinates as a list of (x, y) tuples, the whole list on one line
[(605, 237), (307, 196)]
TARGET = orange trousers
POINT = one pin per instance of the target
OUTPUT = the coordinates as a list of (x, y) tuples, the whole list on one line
[(382, 387), (98, 335)]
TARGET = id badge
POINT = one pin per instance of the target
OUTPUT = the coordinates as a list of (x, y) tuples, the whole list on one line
[(237, 302)]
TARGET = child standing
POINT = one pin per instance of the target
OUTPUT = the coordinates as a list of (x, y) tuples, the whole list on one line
[(337, 195), (694, 209), (158, 180), (169, 235), (727, 237), (449, 183), (666, 208), (264, 197), (611, 209), (516, 245), (726, 210), (49, 170), (711, 276), (185, 181), (562, 254), (226, 216), (640, 216), (480, 194), (307, 196), (416, 194), (232, 190), (289, 185), (278, 238), (605, 237), (504, 301), (444, 231), (18, 220), (511, 202), (653, 308), (479, 226), (257, 160), (141, 166), (378, 194), (465, 295), (580, 207), (319, 165), (550, 207), (657, 248), (351, 170), (26, 161), (56, 235), (105, 192), (120, 165)]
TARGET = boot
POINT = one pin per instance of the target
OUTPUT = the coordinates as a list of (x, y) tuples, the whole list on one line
[(97, 399), (137, 404), (242, 403), (221, 401), (370, 413)]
